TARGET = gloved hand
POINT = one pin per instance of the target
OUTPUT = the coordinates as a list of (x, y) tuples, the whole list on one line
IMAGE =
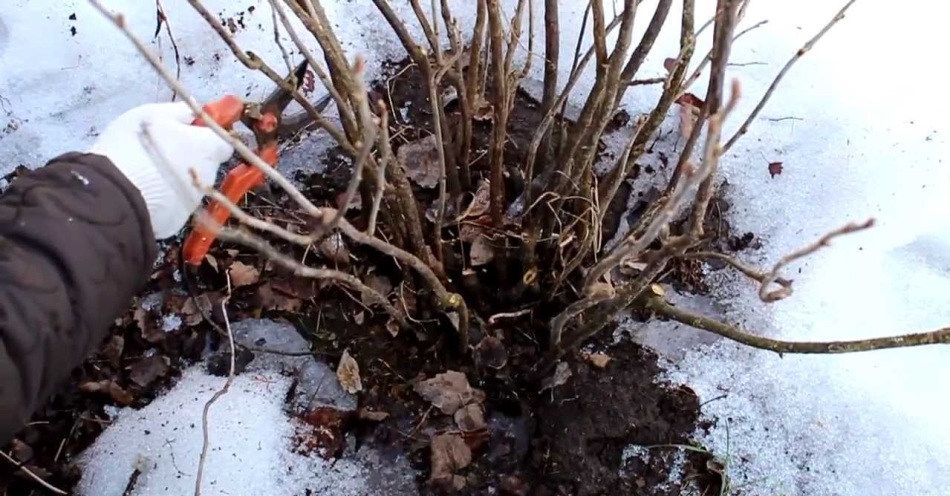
[(158, 162)]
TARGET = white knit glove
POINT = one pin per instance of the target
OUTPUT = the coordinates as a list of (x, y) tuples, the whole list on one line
[(154, 146)]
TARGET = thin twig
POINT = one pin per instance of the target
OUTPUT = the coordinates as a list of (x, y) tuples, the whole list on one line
[(205, 443), (744, 128), (346, 113), (283, 51), (163, 19), (32, 475), (708, 58), (638, 240), (435, 103), (766, 279)]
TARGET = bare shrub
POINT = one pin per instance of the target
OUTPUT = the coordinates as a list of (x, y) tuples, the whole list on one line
[(545, 233)]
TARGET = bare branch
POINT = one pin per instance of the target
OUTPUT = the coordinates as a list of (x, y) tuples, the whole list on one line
[(708, 58), (765, 279), (778, 78), (722, 47), (663, 309), (346, 114), (667, 209)]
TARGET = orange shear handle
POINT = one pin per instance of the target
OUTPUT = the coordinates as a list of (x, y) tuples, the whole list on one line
[(239, 180)]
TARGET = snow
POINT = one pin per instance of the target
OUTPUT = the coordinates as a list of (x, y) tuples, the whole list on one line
[(858, 124), (866, 145), (252, 448)]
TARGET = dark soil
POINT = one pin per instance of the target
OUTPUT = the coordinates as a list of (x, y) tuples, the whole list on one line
[(565, 440)]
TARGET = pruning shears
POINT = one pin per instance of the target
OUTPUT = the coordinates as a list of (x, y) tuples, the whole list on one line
[(265, 119)]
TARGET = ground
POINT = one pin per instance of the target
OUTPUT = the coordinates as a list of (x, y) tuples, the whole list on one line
[(604, 424)]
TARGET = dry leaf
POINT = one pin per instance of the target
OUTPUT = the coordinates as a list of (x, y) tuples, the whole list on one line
[(421, 160), (449, 391), (356, 203), (448, 453), (120, 396), (348, 372), (191, 311), (271, 299), (393, 327), (481, 251), (334, 249), (480, 203), (381, 284), (690, 100), (148, 369), (561, 374), (775, 169), (484, 110), (242, 274), (490, 352), (141, 318), (599, 360), (470, 418), (688, 116), (113, 350), (372, 416)]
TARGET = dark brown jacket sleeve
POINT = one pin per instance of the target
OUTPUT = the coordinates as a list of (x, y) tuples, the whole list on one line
[(76, 245)]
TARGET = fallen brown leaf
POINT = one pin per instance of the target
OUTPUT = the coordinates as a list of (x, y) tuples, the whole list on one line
[(141, 318), (348, 372), (470, 418), (599, 360), (480, 202), (449, 391), (372, 416), (691, 100), (481, 251), (120, 396), (334, 249), (242, 274), (490, 352), (270, 299), (381, 284), (448, 453), (113, 350), (421, 160), (148, 369), (775, 169), (688, 116), (192, 312), (393, 327)]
